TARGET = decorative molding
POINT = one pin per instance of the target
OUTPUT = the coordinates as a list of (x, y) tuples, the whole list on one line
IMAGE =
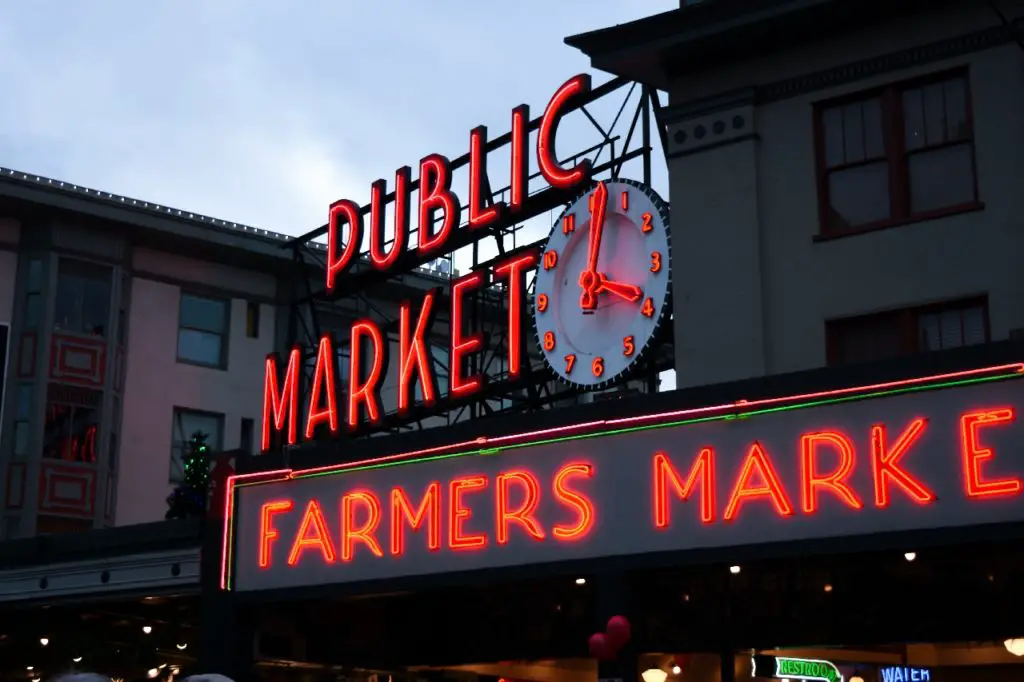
[(713, 145), (153, 571), (795, 86), (904, 59)]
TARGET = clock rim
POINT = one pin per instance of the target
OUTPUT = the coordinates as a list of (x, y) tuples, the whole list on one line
[(664, 212)]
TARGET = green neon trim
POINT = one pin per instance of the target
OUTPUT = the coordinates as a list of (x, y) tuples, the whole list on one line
[(649, 427)]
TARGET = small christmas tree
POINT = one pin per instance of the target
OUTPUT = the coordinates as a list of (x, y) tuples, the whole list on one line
[(188, 500)]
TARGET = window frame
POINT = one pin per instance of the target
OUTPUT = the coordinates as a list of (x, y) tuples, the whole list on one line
[(222, 362), (896, 154), (906, 321), (216, 445)]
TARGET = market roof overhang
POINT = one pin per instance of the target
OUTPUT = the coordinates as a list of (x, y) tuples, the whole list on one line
[(658, 49)]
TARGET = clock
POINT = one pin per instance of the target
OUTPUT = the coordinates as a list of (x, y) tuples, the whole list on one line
[(602, 286)]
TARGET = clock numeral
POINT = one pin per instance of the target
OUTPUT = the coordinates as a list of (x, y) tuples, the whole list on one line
[(645, 222), (542, 302), (625, 200), (549, 341), (597, 366), (648, 308), (569, 223), (550, 259), (570, 362), (628, 346), (655, 261)]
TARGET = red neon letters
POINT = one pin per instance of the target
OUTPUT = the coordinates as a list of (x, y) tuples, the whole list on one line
[(476, 512), (825, 471), (436, 194)]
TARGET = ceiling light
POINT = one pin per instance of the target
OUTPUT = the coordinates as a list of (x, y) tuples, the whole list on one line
[(76, 659), (1015, 646), (44, 641), (734, 569), (654, 675), (181, 647), (676, 670), (828, 587), (581, 581), (147, 629), (910, 556), (30, 667), (153, 672), (857, 677)]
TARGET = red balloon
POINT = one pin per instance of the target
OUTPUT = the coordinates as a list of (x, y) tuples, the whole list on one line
[(599, 648), (618, 630)]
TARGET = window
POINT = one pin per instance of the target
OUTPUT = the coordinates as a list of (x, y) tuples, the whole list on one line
[(202, 331), (72, 423), (906, 332), (4, 334), (33, 293), (82, 304), (186, 423), (900, 153), (246, 435), (252, 320)]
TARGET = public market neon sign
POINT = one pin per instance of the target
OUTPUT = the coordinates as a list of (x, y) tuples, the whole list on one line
[(367, 341)]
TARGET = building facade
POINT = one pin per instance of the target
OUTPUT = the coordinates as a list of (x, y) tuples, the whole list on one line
[(844, 177)]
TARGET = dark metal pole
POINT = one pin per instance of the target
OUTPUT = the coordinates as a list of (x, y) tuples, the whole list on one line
[(645, 130)]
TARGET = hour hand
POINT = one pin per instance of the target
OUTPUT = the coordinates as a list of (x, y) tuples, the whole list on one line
[(630, 292)]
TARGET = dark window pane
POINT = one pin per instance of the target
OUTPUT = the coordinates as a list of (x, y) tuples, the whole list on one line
[(832, 124), (20, 440), (859, 196), (940, 178), (956, 109), (853, 133), (934, 114), (32, 306), (34, 278), (867, 339), (245, 437), (203, 348), (82, 303), (874, 134), (205, 314), (252, 320), (72, 421), (952, 328), (23, 402), (913, 117)]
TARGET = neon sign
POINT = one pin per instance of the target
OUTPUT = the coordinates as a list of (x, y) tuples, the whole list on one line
[(936, 451), (352, 406), (904, 673), (784, 667)]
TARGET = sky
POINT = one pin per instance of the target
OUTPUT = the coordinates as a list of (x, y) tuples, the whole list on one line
[(265, 111)]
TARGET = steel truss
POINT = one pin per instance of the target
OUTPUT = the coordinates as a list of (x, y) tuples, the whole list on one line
[(536, 388)]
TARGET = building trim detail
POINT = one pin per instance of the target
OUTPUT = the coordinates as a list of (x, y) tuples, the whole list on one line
[(152, 571)]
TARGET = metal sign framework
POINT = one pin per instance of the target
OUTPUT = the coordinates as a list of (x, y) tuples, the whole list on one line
[(536, 388)]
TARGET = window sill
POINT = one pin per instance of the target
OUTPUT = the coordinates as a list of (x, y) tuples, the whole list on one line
[(900, 222), (204, 365)]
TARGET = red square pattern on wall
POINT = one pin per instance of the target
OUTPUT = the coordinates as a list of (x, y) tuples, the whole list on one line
[(67, 489), (76, 360)]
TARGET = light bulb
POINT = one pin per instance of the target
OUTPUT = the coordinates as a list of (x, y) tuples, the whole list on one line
[(30, 667), (828, 588), (44, 641), (654, 675), (153, 672), (147, 629), (581, 581), (856, 678), (910, 556), (77, 659), (734, 569), (676, 670), (181, 647)]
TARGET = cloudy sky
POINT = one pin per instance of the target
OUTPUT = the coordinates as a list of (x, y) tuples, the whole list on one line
[(265, 111)]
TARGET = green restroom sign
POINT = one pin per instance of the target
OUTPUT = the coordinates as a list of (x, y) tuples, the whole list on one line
[(783, 667)]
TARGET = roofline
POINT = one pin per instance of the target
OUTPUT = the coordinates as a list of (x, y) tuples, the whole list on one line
[(162, 220)]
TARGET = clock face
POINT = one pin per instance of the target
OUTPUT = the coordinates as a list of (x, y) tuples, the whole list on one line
[(603, 282)]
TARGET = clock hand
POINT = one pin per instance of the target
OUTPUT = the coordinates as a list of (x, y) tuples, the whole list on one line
[(630, 292), (589, 278)]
